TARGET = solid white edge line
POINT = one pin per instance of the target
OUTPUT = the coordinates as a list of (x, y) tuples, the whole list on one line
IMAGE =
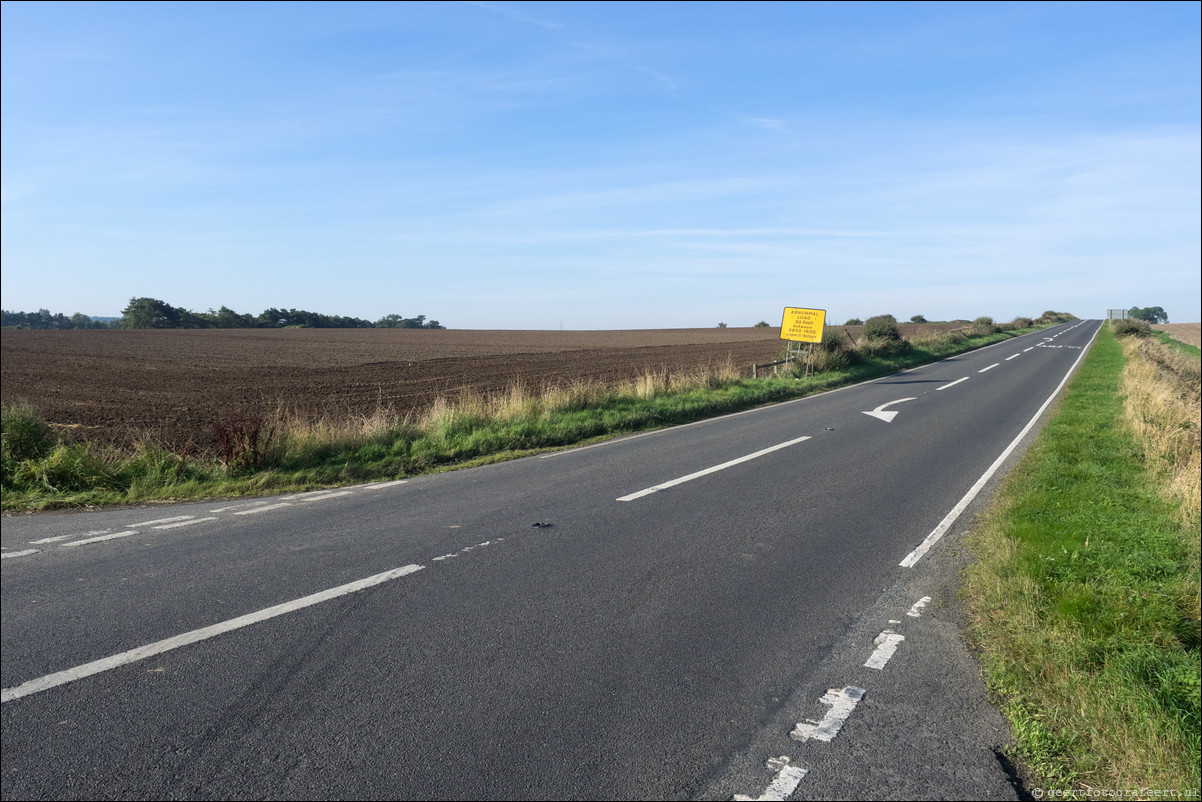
[(672, 483), (938, 532), (151, 649)]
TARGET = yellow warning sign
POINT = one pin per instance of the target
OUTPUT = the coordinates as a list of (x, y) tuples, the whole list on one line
[(802, 325)]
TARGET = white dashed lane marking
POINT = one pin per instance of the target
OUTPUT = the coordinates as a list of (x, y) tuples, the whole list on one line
[(841, 702), (886, 644)]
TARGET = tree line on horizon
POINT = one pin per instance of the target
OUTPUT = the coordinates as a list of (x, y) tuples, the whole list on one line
[(1149, 314), (151, 313)]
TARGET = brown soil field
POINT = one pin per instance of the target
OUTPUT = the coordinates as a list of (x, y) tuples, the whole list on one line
[(172, 385), (1185, 332)]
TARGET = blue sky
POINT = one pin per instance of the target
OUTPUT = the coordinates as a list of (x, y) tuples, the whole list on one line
[(603, 165)]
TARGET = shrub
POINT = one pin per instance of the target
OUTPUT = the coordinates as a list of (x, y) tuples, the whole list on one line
[(1130, 327), (25, 435), (1021, 323), (242, 441), (882, 327), (833, 339), (855, 321), (983, 325), (884, 347), (67, 468)]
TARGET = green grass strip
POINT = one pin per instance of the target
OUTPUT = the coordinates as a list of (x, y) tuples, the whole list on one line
[(1085, 603)]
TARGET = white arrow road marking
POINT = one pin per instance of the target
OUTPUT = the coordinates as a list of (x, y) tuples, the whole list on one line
[(841, 702), (880, 412), (786, 782), (151, 649)]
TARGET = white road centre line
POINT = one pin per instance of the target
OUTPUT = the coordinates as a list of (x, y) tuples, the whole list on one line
[(253, 510), (952, 384), (23, 553), (113, 536), (786, 782), (1032, 348), (648, 491), (886, 644), (841, 702), (164, 520), (187, 523), (991, 367), (149, 650), (1007, 359), (917, 554)]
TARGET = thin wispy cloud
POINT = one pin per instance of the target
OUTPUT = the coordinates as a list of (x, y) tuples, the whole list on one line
[(517, 15)]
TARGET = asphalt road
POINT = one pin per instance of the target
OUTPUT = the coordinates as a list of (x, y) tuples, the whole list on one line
[(759, 605)]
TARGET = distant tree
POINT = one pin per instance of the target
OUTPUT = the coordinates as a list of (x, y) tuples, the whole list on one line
[(763, 324), (1149, 314), (149, 313), (855, 321), (918, 319), (721, 325), (226, 318), (395, 321)]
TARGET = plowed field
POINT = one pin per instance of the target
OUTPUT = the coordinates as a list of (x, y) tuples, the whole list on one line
[(171, 385), (1185, 332)]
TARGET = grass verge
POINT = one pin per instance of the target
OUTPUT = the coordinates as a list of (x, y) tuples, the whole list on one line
[(262, 452), (1085, 599)]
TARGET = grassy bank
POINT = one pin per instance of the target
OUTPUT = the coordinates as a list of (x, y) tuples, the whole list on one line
[(274, 451), (1086, 596)]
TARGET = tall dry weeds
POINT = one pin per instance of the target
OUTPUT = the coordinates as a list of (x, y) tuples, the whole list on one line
[(1162, 409)]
